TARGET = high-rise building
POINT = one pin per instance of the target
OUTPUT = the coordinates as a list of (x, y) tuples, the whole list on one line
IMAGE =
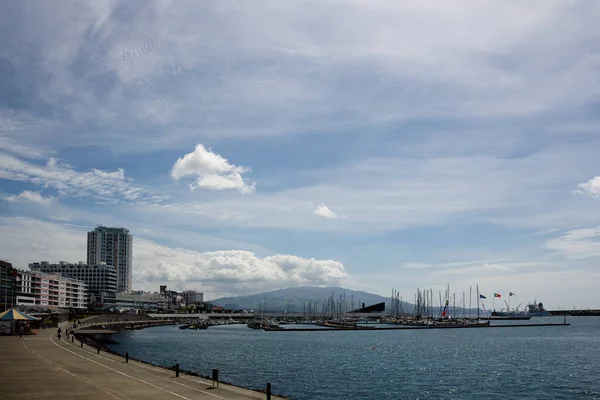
[(112, 246)]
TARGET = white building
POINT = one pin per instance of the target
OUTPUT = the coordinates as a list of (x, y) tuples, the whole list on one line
[(112, 246), (101, 280), (192, 297), (149, 302), (46, 290)]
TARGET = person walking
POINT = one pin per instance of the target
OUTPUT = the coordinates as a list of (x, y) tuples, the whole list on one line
[(21, 330)]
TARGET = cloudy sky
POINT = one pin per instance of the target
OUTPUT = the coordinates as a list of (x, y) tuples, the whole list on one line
[(259, 145)]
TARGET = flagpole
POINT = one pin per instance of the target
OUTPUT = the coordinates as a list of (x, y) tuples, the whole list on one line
[(478, 302)]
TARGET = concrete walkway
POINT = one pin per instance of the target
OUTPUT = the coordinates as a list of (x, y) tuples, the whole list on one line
[(43, 367)]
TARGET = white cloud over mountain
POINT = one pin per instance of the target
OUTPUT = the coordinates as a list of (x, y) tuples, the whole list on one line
[(211, 171)]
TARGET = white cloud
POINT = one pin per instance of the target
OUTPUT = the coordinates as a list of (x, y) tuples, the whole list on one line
[(211, 171), (261, 69), (111, 187), (497, 267), (590, 188), (231, 270), (60, 218), (577, 243), (25, 240), (324, 211), (31, 197)]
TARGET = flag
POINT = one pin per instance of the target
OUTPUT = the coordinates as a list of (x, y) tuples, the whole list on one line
[(511, 294), (482, 296), (445, 309), (497, 295)]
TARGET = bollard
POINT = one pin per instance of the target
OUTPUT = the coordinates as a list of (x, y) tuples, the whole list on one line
[(81, 341), (72, 338), (215, 377), (126, 357), (98, 348), (268, 391), (176, 370)]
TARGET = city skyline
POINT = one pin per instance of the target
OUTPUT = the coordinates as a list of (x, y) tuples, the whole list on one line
[(252, 147)]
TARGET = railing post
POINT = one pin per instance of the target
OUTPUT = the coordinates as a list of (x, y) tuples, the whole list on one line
[(126, 356), (268, 391), (215, 377)]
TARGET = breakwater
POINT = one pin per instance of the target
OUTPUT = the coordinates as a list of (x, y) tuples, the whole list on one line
[(408, 327)]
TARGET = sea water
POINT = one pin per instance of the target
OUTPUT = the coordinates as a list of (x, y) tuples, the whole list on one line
[(502, 363)]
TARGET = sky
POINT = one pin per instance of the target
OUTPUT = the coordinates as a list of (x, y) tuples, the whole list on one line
[(252, 146)]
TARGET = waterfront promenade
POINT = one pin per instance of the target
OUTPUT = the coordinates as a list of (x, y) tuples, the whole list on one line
[(44, 367)]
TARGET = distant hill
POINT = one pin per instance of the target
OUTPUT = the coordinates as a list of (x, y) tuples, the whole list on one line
[(292, 299)]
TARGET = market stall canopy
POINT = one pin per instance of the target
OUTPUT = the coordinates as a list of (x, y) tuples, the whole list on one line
[(14, 315)]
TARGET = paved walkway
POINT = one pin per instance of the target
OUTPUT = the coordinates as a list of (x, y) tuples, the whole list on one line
[(43, 367)]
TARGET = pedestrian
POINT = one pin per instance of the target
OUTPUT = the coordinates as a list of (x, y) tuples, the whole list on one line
[(21, 330)]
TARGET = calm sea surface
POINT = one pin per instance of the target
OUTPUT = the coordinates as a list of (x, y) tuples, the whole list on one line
[(505, 363)]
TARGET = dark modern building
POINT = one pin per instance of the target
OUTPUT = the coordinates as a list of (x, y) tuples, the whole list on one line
[(8, 285)]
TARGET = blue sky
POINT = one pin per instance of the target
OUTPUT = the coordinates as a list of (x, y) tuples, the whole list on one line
[(258, 145)]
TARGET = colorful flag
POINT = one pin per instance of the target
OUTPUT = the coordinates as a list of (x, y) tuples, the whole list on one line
[(497, 295), (445, 309), (511, 294), (482, 296)]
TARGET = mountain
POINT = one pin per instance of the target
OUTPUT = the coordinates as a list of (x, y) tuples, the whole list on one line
[(293, 299)]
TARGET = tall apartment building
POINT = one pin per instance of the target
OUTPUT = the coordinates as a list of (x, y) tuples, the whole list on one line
[(46, 290), (101, 280), (112, 246)]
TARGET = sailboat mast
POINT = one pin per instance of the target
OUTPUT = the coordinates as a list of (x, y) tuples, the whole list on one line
[(470, 298)]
